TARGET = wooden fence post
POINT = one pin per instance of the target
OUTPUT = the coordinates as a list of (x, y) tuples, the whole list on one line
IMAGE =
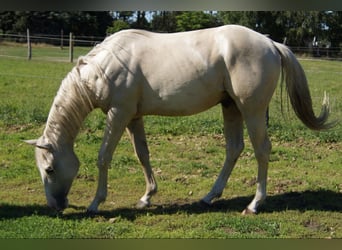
[(62, 37), (71, 48), (29, 48)]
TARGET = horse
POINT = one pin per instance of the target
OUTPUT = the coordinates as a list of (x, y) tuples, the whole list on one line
[(134, 73)]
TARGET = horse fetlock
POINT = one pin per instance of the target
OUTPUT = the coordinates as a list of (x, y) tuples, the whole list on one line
[(248, 211), (212, 195), (153, 190), (204, 204), (92, 209), (143, 204)]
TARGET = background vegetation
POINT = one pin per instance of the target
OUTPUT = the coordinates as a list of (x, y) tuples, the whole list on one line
[(299, 27)]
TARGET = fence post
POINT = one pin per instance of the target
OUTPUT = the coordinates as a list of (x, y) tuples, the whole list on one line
[(62, 36), (71, 48), (29, 48)]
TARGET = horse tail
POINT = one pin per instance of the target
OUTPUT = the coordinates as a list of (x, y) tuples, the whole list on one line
[(298, 91)]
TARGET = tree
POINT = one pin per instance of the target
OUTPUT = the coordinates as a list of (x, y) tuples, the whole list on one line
[(193, 20), (126, 16), (245, 18), (117, 25), (299, 27), (84, 23), (164, 21), (6, 21), (333, 25), (128, 19), (140, 21), (92, 23)]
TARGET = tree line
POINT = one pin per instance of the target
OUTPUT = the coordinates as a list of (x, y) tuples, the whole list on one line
[(300, 28)]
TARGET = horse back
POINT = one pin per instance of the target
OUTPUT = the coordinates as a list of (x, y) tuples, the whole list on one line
[(188, 72)]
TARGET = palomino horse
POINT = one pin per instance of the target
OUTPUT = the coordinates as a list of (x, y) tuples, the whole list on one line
[(135, 73)]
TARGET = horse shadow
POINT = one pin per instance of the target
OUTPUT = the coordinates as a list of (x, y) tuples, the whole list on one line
[(321, 200)]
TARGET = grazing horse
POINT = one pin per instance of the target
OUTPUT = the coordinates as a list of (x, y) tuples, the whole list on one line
[(135, 73)]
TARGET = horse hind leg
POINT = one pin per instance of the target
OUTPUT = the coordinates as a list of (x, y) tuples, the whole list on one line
[(137, 133), (233, 131), (256, 127)]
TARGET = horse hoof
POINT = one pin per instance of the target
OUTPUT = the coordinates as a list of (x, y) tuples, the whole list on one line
[(247, 211), (204, 204), (141, 204), (91, 212)]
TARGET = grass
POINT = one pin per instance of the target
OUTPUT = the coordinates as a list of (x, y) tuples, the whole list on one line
[(40, 51), (304, 184)]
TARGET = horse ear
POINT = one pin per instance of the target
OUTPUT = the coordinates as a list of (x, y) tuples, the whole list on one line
[(31, 142), (47, 146)]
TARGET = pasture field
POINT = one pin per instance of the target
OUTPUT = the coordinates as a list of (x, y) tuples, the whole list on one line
[(304, 183)]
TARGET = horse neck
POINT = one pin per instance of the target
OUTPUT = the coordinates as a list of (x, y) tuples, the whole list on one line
[(70, 107)]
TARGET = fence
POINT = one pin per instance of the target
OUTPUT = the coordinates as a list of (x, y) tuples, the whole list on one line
[(319, 51), (49, 47), (66, 47)]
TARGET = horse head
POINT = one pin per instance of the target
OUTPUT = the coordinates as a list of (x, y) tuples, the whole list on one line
[(58, 167)]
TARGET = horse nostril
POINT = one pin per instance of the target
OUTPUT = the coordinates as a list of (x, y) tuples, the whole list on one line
[(52, 204), (62, 204), (58, 204)]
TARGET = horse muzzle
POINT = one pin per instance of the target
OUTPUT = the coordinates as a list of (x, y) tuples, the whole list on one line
[(58, 204)]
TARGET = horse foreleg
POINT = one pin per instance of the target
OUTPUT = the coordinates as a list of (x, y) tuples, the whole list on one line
[(137, 133), (115, 125), (262, 147), (233, 131)]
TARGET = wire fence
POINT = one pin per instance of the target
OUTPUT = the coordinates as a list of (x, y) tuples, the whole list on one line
[(65, 47), (319, 51), (46, 47), (56, 40)]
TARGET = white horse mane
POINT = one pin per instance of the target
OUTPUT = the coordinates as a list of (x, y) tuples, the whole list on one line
[(71, 104)]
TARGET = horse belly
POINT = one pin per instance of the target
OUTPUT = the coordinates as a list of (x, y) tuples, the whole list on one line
[(180, 102), (179, 80)]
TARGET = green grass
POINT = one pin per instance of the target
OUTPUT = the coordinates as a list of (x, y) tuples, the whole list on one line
[(40, 51), (304, 184)]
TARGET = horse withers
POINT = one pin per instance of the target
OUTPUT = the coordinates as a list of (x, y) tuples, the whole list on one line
[(134, 73)]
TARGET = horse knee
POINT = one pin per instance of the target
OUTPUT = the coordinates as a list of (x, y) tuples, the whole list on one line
[(268, 145), (143, 157), (240, 148), (263, 151), (104, 160), (235, 150)]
